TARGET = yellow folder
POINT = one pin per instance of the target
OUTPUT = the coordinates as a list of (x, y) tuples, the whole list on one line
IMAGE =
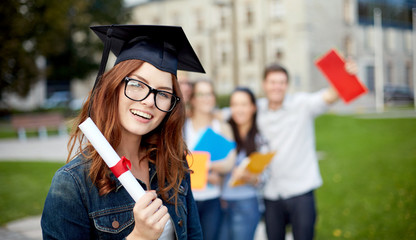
[(198, 161), (254, 164)]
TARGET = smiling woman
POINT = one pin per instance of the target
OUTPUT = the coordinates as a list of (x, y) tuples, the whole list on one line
[(137, 107), (142, 107)]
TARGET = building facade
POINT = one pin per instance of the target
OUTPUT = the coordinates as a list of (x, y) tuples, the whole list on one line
[(236, 39)]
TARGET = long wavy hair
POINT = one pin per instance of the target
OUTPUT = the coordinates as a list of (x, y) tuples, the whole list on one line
[(249, 142), (164, 145)]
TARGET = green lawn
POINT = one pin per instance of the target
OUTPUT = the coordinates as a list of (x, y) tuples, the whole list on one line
[(24, 188), (368, 167), (369, 172)]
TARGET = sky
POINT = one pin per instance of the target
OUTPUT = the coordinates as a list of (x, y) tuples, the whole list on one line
[(131, 2)]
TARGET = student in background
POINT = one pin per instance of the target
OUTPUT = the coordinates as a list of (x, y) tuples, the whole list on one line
[(241, 212), (202, 104), (287, 122), (186, 89)]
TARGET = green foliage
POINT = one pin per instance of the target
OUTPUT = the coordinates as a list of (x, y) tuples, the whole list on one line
[(24, 189), (223, 100), (56, 30), (369, 169)]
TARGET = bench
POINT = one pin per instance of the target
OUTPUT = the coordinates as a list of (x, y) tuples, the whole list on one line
[(40, 122)]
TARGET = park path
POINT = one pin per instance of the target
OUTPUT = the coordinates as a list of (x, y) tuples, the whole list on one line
[(51, 149)]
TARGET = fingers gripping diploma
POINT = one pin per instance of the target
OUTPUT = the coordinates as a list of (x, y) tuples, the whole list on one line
[(150, 217)]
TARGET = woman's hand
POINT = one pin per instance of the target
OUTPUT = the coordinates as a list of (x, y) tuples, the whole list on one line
[(242, 174), (150, 217), (214, 178), (351, 66)]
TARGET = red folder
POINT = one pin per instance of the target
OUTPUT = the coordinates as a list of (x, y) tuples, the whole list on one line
[(333, 67)]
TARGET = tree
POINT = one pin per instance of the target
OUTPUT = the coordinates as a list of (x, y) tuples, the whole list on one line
[(55, 30)]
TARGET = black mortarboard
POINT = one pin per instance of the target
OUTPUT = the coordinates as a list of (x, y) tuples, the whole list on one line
[(165, 47)]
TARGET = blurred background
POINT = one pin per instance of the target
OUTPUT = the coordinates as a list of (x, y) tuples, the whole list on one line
[(50, 56), (49, 60)]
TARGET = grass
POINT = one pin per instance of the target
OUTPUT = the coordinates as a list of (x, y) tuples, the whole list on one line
[(369, 170), (24, 188), (9, 133)]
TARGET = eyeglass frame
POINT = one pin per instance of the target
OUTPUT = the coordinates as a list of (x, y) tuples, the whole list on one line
[(155, 91)]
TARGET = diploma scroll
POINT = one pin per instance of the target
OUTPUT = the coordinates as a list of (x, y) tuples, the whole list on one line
[(111, 158)]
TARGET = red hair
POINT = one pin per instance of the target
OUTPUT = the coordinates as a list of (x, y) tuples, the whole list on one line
[(165, 145)]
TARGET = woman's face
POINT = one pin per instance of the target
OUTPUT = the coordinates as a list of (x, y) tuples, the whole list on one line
[(242, 108), (203, 99), (140, 118)]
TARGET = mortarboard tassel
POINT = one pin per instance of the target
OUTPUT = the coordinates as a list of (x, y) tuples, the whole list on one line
[(103, 64)]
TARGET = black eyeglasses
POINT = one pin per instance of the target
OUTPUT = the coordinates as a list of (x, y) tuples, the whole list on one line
[(137, 90)]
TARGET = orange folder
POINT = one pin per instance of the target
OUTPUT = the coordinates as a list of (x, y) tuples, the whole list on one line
[(348, 86), (255, 164), (198, 161)]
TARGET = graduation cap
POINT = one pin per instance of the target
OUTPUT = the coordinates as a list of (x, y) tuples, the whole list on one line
[(165, 47)]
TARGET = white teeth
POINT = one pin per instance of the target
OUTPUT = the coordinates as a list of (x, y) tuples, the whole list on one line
[(141, 114)]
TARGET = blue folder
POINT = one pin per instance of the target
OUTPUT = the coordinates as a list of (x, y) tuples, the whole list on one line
[(214, 143)]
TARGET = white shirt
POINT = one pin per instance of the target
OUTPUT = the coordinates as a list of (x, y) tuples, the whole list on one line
[(192, 137), (290, 131), (168, 232)]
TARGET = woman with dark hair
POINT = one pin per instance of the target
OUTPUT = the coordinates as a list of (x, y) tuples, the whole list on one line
[(137, 107), (240, 203)]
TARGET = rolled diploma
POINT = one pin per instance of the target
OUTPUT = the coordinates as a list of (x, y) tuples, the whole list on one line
[(110, 157)]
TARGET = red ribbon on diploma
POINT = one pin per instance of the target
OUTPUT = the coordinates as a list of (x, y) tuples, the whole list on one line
[(121, 166)]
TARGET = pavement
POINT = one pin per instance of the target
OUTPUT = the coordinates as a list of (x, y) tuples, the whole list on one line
[(54, 148)]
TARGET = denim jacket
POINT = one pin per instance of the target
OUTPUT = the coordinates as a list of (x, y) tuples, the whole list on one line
[(74, 209)]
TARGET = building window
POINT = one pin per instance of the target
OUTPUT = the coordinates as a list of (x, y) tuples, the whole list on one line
[(279, 55), (156, 21), (348, 46), (390, 40), (249, 15), (250, 50), (277, 10), (348, 12), (223, 19), (276, 45), (409, 74), (389, 72), (407, 41), (199, 21), (396, 14), (369, 70), (224, 57), (369, 38), (222, 53), (199, 51), (176, 19)]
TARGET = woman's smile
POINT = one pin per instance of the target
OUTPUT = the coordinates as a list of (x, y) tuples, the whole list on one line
[(141, 114)]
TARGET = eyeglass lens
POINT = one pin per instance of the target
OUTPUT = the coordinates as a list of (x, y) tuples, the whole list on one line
[(137, 90)]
